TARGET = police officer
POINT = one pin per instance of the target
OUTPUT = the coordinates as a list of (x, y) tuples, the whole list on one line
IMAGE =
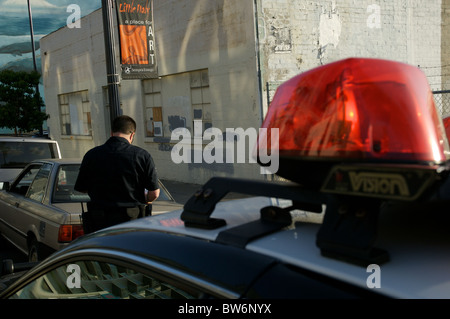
[(120, 178)]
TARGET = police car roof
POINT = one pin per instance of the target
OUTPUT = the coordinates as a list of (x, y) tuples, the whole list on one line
[(418, 246)]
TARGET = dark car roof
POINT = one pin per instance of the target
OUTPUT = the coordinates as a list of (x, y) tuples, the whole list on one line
[(236, 271), (184, 254)]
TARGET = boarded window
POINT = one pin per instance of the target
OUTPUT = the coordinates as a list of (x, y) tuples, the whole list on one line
[(75, 113), (153, 108)]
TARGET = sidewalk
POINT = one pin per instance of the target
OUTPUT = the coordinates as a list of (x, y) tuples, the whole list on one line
[(181, 192)]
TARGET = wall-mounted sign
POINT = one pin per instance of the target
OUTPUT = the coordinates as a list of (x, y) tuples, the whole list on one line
[(137, 39)]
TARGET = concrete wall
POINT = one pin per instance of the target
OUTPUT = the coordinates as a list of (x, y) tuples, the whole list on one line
[(73, 59), (445, 45), (217, 36)]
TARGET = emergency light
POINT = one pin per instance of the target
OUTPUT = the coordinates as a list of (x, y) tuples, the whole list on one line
[(446, 121), (357, 110)]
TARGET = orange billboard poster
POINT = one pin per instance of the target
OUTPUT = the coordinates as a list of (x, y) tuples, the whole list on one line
[(133, 44), (137, 42)]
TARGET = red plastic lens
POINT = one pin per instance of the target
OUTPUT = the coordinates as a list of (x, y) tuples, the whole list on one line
[(447, 126), (358, 108)]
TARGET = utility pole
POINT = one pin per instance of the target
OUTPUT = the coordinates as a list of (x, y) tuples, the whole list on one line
[(111, 73), (33, 49), (30, 18)]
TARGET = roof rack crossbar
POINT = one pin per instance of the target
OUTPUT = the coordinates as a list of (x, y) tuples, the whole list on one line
[(200, 206), (272, 219)]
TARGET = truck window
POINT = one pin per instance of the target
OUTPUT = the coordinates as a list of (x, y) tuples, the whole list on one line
[(19, 154)]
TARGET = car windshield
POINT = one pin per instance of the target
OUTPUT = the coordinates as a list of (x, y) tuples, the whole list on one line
[(63, 191)]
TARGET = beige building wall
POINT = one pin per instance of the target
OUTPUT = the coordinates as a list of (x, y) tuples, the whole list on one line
[(215, 38)]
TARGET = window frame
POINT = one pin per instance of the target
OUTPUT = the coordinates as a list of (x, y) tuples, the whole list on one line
[(152, 102), (65, 114), (17, 184), (43, 175), (200, 95)]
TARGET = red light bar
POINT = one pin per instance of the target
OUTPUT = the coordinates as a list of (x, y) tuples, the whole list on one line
[(358, 108), (447, 126)]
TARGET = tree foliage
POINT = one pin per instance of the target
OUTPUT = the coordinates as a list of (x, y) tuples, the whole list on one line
[(20, 101)]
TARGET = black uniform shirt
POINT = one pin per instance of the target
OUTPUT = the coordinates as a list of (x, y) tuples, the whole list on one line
[(116, 173)]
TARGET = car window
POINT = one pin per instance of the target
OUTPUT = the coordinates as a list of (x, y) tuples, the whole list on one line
[(19, 154), (22, 184), (163, 194), (99, 280), (64, 191), (39, 184)]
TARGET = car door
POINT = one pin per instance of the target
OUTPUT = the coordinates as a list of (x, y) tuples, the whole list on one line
[(10, 206), (22, 211), (41, 219)]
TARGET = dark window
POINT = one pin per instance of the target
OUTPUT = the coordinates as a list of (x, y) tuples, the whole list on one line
[(19, 154), (22, 184), (64, 191), (99, 280)]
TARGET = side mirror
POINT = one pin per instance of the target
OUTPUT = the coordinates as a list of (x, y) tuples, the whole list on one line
[(6, 267)]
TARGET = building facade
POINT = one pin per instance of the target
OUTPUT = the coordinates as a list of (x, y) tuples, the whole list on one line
[(219, 64)]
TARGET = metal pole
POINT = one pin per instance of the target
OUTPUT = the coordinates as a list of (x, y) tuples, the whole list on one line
[(32, 35), (111, 73), (33, 49)]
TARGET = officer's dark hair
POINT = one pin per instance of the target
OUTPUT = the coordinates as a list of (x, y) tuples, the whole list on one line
[(123, 124)]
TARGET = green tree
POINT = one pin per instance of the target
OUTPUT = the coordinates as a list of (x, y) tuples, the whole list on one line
[(20, 101)]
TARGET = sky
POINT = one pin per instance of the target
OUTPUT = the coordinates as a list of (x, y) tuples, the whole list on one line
[(47, 15)]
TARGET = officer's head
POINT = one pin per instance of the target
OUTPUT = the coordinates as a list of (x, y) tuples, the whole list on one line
[(124, 126)]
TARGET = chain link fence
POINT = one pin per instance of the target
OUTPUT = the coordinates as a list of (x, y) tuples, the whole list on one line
[(442, 101)]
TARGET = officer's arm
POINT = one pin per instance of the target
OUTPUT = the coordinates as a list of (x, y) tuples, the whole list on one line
[(152, 195)]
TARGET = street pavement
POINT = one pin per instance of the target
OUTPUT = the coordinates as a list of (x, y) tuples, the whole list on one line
[(180, 191)]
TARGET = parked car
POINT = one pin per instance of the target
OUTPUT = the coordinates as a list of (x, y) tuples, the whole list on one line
[(363, 215), (17, 152), (40, 212)]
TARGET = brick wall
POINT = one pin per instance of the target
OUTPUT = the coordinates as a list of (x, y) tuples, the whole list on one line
[(296, 36)]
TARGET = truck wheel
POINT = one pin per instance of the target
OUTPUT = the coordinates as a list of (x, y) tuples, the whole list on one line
[(33, 250)]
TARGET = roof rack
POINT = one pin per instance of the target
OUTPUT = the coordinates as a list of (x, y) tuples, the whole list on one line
[(200, 206), (348, 231)]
